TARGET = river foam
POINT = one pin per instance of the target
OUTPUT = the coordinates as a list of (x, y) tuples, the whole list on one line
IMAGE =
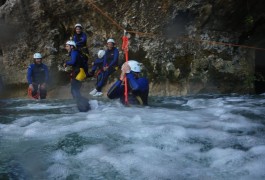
[(174, 138)]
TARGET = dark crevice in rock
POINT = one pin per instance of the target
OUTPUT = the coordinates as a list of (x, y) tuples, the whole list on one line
[(177, 26), (2, 2)]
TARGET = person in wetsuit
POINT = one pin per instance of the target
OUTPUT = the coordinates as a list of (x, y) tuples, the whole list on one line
[(138, 87), (80, 39), (37, 76), (97, 68), (77, 75), (110, 64)]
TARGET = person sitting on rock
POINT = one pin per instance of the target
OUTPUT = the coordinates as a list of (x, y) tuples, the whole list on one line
[(80, 39), (110, 64), (137, 87), (37, 76), (97, 67)]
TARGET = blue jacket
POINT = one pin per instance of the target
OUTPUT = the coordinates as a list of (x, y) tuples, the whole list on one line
[(37, 73), (76, 59), (80, 40), (98, 64), (111, 58), (138, 89)]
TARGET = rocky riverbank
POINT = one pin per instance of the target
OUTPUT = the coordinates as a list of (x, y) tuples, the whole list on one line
[(186, 47)]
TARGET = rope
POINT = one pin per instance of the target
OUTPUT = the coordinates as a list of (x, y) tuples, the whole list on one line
[(115, 23), (152, 34), (125, 48), (104, 14), (224, 44)]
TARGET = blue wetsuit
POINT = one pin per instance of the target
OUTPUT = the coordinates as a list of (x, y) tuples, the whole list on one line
[(98, 64), (111, 58), (111, 61), (77, 62), (37, 75), (80, 40), (138, 89)]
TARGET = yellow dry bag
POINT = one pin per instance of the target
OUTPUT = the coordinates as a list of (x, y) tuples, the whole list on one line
[(81, 75)]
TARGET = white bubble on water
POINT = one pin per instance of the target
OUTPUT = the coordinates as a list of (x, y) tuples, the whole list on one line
[(211, 139)]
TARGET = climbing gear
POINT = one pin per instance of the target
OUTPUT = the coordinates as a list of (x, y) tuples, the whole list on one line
[(78, 25), (71, 43), (125, 44), (135, 66), (37, 56), (112, 21), (81, 75), (111, 41), (101, 53)]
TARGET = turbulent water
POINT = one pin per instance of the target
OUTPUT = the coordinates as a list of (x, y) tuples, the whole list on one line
[(194, 137)]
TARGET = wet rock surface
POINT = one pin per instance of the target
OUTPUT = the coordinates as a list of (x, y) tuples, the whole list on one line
[(185, 46)]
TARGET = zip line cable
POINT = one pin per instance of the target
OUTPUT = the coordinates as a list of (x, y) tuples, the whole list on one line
[(91, 3)]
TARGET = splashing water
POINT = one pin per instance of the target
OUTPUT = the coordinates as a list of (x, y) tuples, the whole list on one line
[(194, 137)]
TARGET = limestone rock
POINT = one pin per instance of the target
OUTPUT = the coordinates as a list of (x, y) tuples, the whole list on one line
[(191, 39)]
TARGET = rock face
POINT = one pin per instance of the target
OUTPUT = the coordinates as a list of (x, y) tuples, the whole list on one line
[(185, 46)]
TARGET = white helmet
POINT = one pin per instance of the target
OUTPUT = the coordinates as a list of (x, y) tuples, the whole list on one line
[(78, 25), (71, 43), (111, 41), (135, 66), (37, 56), (101, 53)]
